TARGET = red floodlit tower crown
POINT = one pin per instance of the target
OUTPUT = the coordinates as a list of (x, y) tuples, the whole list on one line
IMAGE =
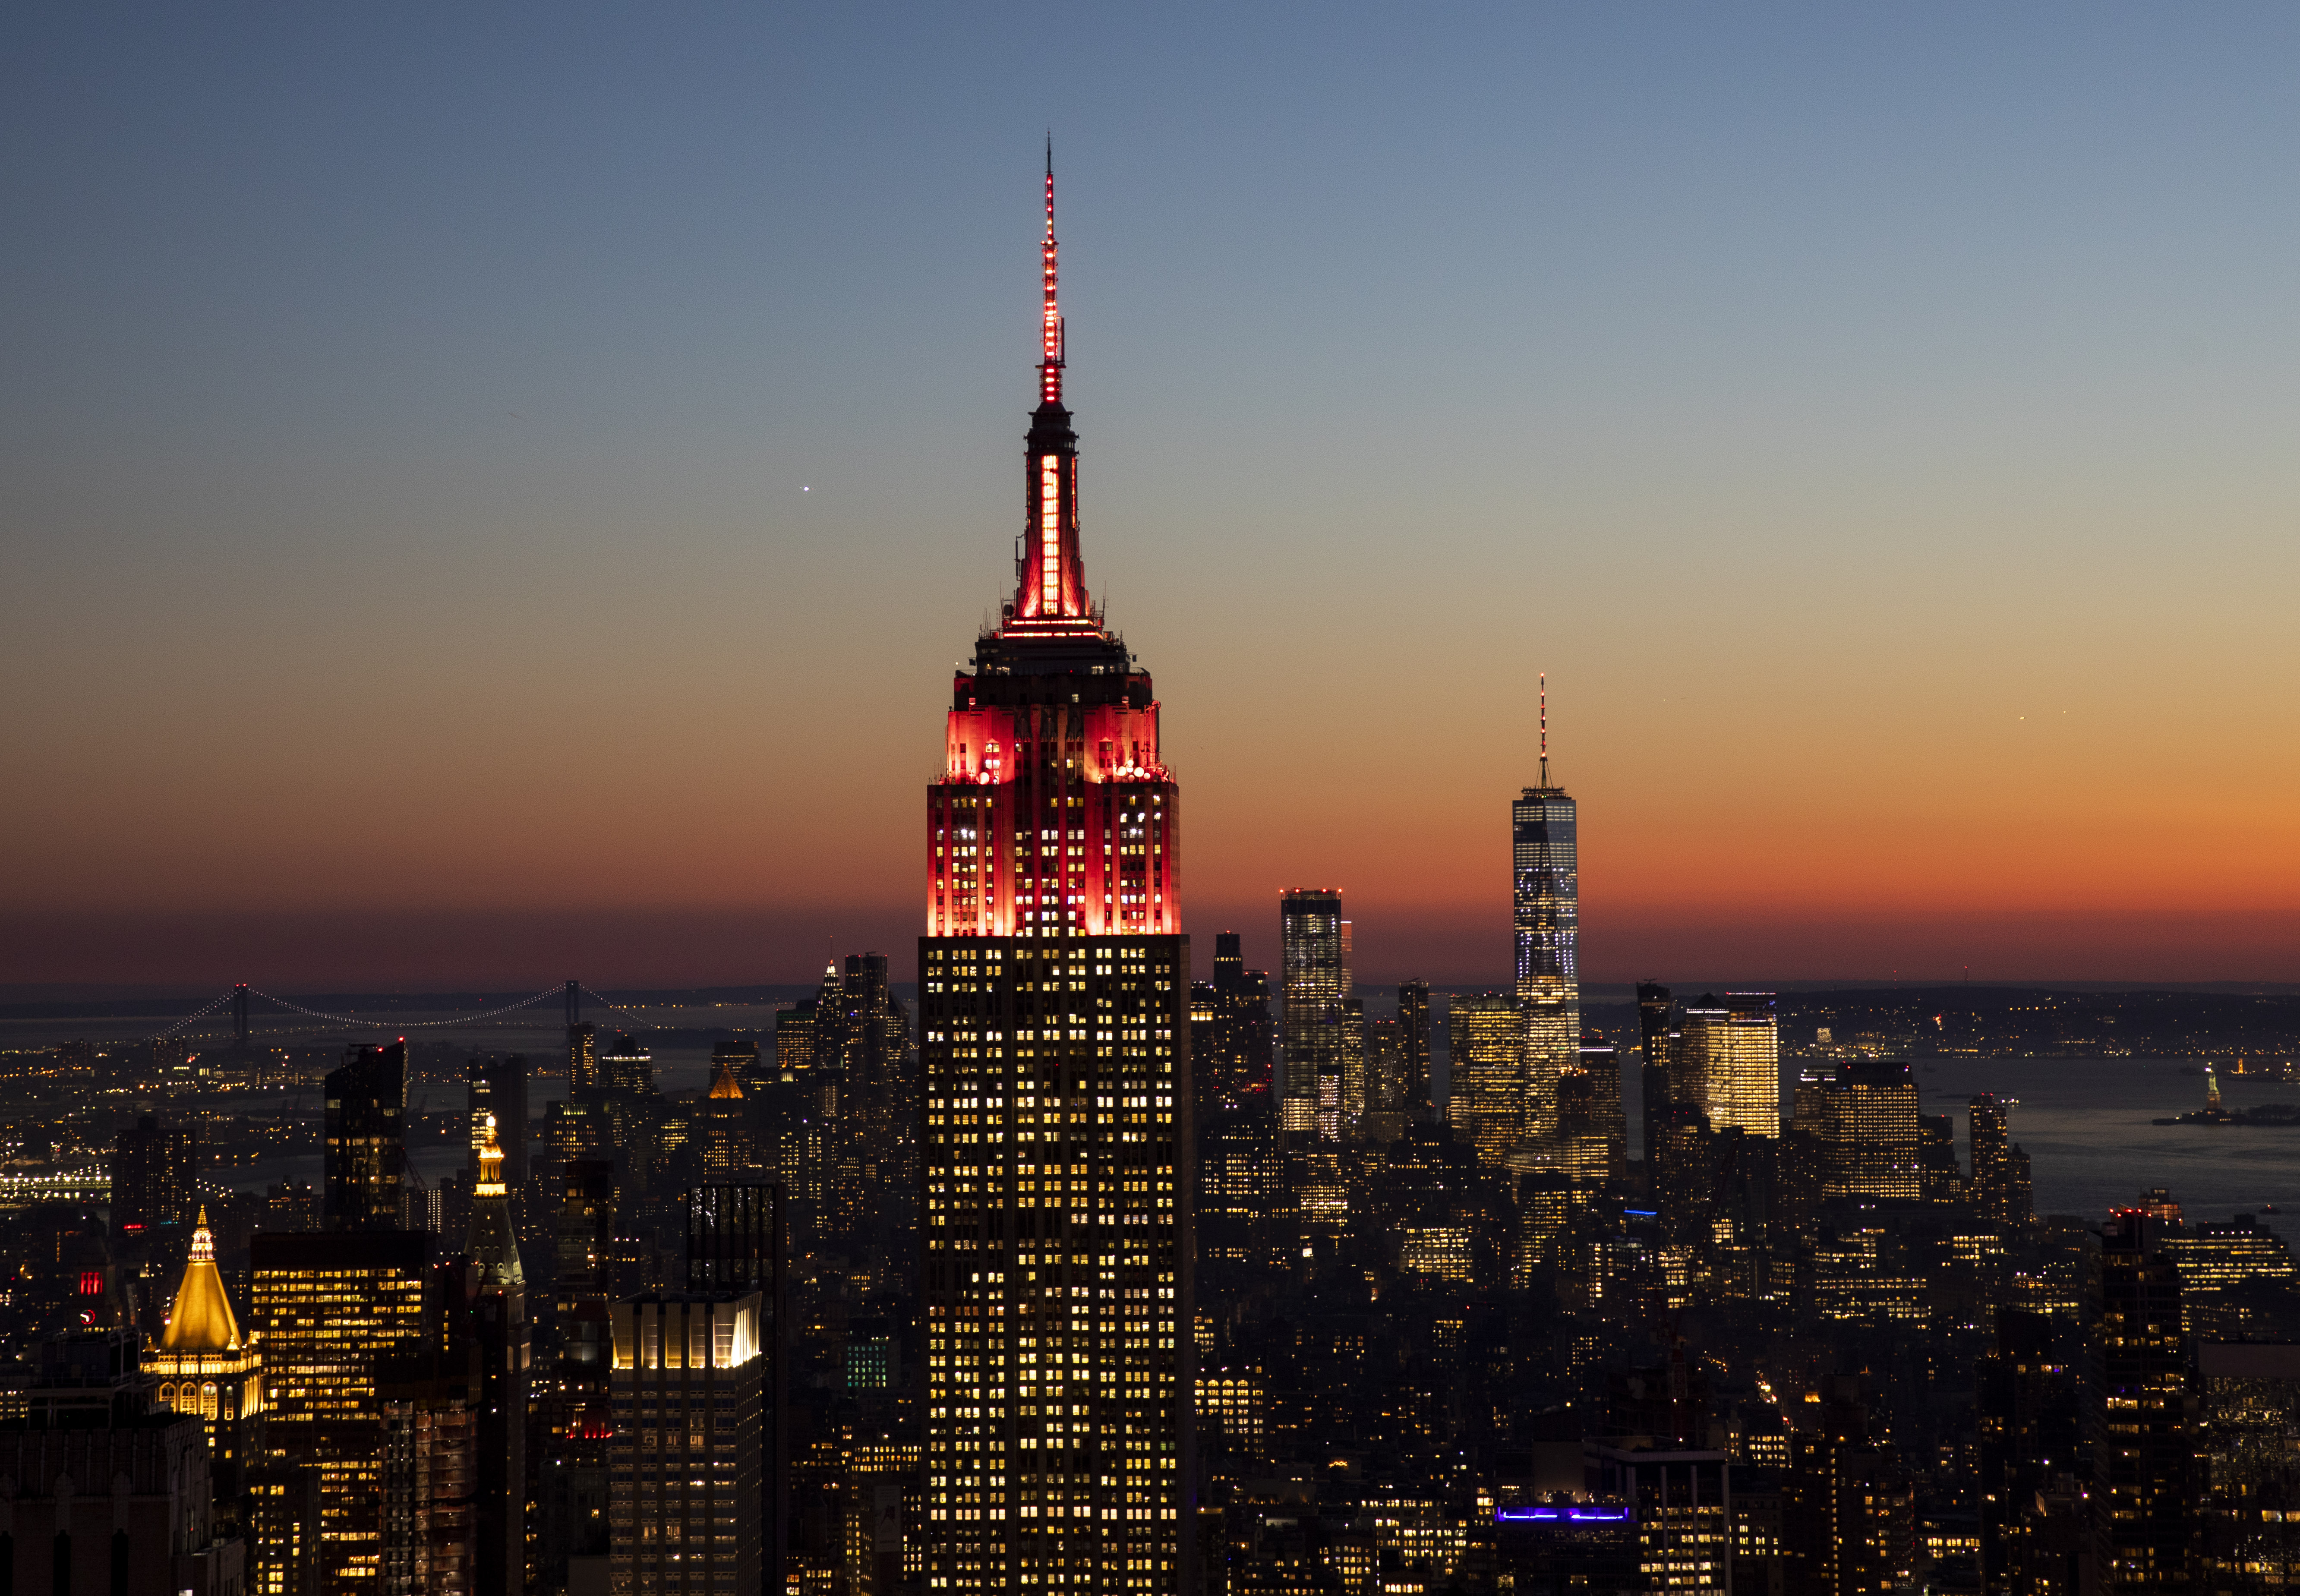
[(1050, 584), (1055, 814)]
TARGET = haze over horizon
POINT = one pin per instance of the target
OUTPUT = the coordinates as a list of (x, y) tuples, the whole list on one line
[(494, 496)]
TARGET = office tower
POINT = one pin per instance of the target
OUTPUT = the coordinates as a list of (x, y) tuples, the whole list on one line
[(1235, 1057), (627, 1067), (1601, 1063), (155, 1176), (1656, 1022), (1683, 1171), (1580, 1147), (806, 1153), (1545, 1203), (2146, 1434), (1206, 1049), (881, 1494), (495, 1321), (734, 1239), (1858, 1130), (2236, 1279), (1310, 936), (686, 1465), (583, 1057), (285, 1555), (1544, 896), (1250, 1005), (1486, 1099), (580, 1126), (586, 1224), (1220, 1066), (740, 1054), (1680, 1501), (329, 1306), (1054, 981), (1413, 1047), (2249, 1537), (795, 1040), (122, 1499), (2029, 1400), (429, 1399), (2000, 1170), (1728, 1060), (1239, 1181), (721, 1130), (1385, 1078), (204, 1367), (572, 1403), (734, 1245), (1847, 1506), (1939, 1178), (874, 1180), (365, 1150), (496, 1091), (1352, 1069)]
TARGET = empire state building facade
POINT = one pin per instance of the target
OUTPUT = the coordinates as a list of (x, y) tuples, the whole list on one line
[(1054, 986)]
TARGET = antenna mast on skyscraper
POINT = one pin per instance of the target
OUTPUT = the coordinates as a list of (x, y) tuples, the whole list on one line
[(1050, 363), (1544, 679)]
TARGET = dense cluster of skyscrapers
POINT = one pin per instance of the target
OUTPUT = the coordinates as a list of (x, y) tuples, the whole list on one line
[(1082, 1276)]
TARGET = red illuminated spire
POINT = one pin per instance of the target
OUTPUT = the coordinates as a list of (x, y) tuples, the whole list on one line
[(1051, 592), (1050, 367)]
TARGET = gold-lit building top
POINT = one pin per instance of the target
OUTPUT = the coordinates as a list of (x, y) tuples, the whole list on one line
[(202, 1321)]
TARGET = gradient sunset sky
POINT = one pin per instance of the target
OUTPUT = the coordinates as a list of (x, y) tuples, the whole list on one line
[(495, 493)]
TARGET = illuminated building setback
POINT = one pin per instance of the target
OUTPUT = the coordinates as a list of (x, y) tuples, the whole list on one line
[(1545, 896), (686, 1484), (1056, 1123)]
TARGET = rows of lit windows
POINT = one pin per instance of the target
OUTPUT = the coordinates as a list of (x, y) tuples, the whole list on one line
[(1051, 1367)]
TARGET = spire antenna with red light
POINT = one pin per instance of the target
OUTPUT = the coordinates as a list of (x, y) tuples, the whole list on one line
[(1050, 586), (1050, 364)]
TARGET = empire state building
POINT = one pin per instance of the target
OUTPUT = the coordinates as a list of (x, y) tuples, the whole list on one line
[(1053, 988)]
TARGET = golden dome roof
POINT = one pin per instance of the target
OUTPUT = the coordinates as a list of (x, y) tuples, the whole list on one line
[(202, 1319)]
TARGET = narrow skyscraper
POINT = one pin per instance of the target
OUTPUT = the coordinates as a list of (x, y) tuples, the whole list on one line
[(1545, 895), (365, 1150), (1054, 1037), (1317, 981), (1413, 1047)]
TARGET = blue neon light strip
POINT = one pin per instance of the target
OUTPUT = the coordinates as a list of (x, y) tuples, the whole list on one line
[(1561, 1515)]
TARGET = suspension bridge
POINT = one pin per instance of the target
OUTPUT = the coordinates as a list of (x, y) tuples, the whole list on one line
[(240, 1002)]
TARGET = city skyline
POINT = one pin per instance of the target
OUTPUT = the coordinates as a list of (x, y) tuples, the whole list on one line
[(1816, 370), (1061, 1271)]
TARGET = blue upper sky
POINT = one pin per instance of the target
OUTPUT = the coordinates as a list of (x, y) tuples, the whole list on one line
[(413, 382)]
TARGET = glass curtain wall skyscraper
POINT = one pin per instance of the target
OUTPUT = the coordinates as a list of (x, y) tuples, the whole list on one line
[(1056, 1114), (1729, 1062), (1317, 979), (1545, 894)]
